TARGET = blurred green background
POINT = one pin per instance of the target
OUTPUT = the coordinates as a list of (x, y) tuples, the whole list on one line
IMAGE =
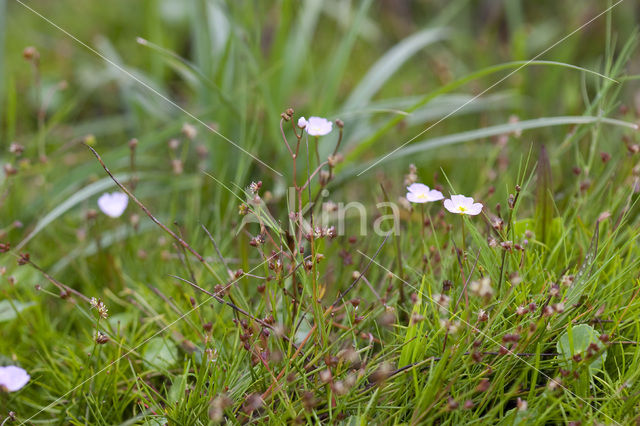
[(377, 65)]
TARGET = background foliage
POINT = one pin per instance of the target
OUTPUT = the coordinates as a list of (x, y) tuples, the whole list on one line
[(389, 70)]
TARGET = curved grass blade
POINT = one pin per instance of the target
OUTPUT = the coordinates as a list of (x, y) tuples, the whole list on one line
[(389, 63), (500, 129), (366, 144), (76, 198), (189, 72), (342, 53)]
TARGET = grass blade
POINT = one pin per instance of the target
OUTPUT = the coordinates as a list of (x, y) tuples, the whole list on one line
[(3, 26), (76, 198), (389, 63), (544, 202), (297, 45), (486, 132), (366, 144), (576, 290)]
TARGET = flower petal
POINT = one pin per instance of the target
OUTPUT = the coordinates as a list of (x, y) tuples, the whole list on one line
[(475, 209), (418, 187), (302, 122), (461, 200), (451, 206), (114, 204), (13, 378), (435, 195)]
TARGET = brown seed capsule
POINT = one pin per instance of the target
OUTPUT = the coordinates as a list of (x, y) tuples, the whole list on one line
[(219, 290), (252, 403), (452, 404), (101, 338), (23, 259), (30, 53), (483, 386), (325, 376)]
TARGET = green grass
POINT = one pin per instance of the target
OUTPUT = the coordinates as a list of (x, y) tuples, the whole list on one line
[(283, 343)]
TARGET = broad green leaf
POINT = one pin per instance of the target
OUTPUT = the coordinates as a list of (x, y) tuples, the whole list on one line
[(576, 341), (160, 353)]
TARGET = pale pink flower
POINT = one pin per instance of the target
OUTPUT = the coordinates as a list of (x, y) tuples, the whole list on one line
[(462, 205), (13, 378), (113, 204), (420, 193), (316, 126)]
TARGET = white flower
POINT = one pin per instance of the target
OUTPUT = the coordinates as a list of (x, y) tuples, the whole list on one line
[(419, 193), (316, 126), (462, 205), (114, 204), (13, 378)]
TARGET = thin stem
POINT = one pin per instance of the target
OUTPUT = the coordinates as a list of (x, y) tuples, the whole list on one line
[(335, 150), (312, 175), (215, 246), (317, 152), (422, 226), (58, 284), (464, 247), (284, 138)]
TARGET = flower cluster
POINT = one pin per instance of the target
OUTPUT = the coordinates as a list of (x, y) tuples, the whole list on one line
[(100, 307), (459, 204)]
